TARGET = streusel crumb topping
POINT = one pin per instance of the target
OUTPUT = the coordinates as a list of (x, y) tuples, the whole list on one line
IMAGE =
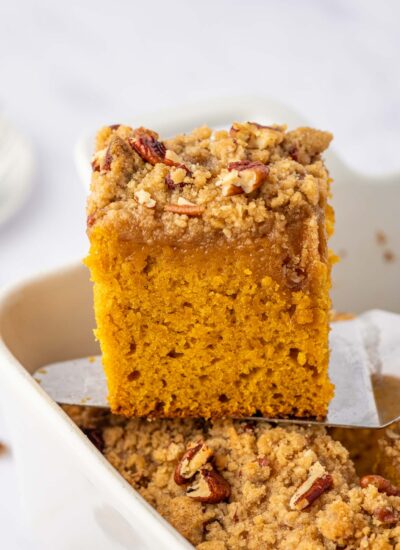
[(275, 487), (249, 181)]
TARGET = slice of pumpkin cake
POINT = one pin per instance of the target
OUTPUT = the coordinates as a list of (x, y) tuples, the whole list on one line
[(211, 270)]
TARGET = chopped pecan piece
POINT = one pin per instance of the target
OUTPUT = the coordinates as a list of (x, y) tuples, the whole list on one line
[(243, 176), (229, 188), (211, 521), (97, 160), (185, 207), (95, 164), (276, 129), (317, 482), (294, 153), (101, 160), (381, 483), (257, 136), (263, 461), (172, 159), (249, 427), (114, 126), (90, 220), (197, 455), (171, 184), (144, 198), (209, 487), (386, 515), (107, 159), (294, 274)]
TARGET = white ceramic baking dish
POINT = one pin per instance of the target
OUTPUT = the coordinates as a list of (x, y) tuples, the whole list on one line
[(73, 498)]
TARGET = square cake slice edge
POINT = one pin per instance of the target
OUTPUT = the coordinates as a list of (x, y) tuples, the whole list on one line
[(211, 271)]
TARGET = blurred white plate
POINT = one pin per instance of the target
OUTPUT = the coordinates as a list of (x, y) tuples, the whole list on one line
[(16, 170)]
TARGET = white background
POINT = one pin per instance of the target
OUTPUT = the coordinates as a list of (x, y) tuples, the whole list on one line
[(66, 68)]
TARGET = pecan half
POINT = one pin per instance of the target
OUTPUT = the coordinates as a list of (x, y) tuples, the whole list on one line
[(317, 482), (187, 209), (209, 487), (146, 144), (386, 515), (197, 455), (381, 483), (148, 147)]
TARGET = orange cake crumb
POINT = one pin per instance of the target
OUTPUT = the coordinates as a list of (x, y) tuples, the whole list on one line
[(211, 270)]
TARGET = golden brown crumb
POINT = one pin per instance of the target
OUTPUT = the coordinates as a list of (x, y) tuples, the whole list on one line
[(264, 465), (191, 166)]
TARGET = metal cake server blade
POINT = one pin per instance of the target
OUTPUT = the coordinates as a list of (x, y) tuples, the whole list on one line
[(364, 367)]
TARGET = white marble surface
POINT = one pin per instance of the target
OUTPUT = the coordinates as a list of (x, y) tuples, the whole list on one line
[(67, 69)]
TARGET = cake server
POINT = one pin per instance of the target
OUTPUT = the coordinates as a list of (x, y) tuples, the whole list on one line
[(364, 367)]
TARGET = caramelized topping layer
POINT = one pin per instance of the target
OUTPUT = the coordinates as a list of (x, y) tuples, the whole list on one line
[(249, 181)]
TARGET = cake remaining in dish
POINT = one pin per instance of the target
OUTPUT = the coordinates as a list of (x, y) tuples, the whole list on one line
[(211, 270), (231, 485), (388, 454)]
